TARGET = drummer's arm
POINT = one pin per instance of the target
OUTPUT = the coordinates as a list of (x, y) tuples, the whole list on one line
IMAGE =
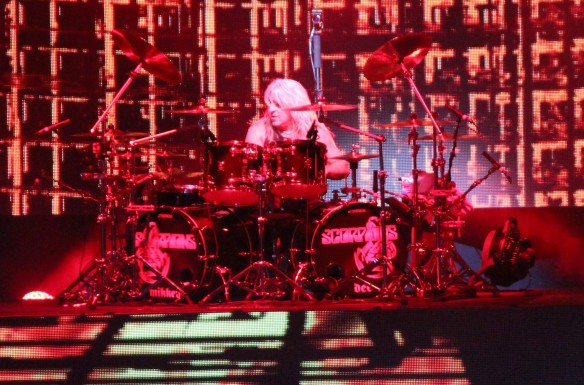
[(334, 168), (256, 134)]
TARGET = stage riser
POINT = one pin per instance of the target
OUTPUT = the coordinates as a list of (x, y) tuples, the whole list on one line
[(48, 252), (539, 345)]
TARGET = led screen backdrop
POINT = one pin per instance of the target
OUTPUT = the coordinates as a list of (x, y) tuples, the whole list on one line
[(515, 67)]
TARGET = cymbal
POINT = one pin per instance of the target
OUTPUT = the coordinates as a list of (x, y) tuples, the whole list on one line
[(354, 156), (111, 133), (448, 136), (386, 62), (323, 107), (139, 51), (201, 110), (414, 122)]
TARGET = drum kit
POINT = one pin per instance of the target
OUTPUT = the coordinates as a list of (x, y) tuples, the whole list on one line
[(254, 226)]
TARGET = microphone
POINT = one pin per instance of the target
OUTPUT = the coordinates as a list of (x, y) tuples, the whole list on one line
[(462, 115), (497, 166), (375, 182), (52, 126), (315, 52)]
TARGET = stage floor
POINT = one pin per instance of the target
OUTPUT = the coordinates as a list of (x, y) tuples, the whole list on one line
[(482, 300), (514, 337)]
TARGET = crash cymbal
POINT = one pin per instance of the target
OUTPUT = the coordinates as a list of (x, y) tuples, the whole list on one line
[(386, 62), (323, 107), (140, 51), (414, 122), (201, 110), (354, 156), (448, 136)]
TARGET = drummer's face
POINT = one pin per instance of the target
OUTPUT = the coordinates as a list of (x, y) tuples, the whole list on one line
[(280, 117)]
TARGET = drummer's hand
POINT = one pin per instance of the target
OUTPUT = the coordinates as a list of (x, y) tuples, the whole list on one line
[(459, 207), (337, 169)]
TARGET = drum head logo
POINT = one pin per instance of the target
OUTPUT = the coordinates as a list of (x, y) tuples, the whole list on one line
[(371, 250), (366, 241), (148, 248)]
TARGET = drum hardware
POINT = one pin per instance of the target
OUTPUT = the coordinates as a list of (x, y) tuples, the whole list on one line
[(103, 280), (443, 268), (386, 290), (353, 158), (262, 279), (144, 56), (398, 57), (106, 277)]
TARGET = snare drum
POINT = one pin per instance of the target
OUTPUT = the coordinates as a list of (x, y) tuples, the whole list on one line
[(231, 171), (297, 169), (347, 239)]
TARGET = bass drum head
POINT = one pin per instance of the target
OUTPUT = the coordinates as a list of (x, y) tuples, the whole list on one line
[(346, 240), (178, 244)]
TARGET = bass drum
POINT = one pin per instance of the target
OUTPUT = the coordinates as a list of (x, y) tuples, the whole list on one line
[(187, 246), (346, 240)]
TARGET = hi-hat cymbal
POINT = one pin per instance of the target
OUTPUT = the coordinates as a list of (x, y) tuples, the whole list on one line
[(414, 122), (139, 51), (201, 110), (386, 62), (448, 136), (354, 156), (324, 107)]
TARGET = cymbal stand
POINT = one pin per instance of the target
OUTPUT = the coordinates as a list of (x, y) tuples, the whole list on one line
[(260, 280), (445, 267), (393, 289), (133, 259), (98, 282), (354, 165), (416, 246), (119, 94)]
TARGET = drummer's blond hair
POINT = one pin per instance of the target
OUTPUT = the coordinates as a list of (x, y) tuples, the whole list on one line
[(288, 93)]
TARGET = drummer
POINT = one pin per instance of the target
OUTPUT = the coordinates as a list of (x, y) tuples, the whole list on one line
[(278, 124)]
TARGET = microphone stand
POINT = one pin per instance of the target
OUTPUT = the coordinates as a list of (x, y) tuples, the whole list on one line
[(315, 52)]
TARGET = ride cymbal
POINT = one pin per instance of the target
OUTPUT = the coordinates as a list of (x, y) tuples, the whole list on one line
[(386, 62), (140, 51)]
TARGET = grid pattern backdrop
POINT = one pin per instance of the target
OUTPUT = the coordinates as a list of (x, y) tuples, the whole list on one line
[(515, 66)]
